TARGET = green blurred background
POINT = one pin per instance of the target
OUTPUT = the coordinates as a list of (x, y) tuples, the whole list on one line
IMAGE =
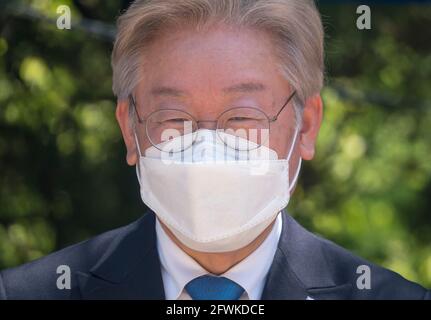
[(63, 175)]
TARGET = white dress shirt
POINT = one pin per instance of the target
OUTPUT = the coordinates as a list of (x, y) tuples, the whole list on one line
[(178, 268)]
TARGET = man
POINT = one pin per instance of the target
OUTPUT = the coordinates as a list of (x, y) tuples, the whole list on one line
[(218, 103)]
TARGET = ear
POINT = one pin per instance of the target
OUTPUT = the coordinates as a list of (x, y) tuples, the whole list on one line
[(122, 115), (311, 121)]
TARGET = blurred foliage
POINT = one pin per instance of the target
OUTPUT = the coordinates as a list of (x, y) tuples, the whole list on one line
[(63, 175)]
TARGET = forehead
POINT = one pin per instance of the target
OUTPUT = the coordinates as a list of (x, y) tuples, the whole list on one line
[(217, 57)]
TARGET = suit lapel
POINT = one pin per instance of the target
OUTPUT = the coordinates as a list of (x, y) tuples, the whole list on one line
[(281, 283), (130, 268), (300, 269)]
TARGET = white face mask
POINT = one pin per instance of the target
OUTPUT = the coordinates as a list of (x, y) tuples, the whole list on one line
[(210, 200)]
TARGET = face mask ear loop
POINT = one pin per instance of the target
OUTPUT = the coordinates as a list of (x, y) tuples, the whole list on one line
[(138, 171), (292, 147), (295, 178)]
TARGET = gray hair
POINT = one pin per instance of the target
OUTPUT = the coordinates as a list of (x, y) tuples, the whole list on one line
[(294, 25)]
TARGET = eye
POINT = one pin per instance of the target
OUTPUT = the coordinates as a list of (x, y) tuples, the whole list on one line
[(240, 119), (177, 120), (245, 120)]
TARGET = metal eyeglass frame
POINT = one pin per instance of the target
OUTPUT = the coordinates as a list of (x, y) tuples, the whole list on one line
[(269, 119)]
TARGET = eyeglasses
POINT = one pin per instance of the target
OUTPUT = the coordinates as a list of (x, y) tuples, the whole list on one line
[(248, 123)]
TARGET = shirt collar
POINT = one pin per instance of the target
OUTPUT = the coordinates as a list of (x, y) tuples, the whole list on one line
[(179, 268)]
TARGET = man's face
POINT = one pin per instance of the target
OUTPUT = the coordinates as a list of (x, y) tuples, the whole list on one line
[(206, 73)]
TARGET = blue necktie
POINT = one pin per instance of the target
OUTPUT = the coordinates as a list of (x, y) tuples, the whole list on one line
[(213, 288)]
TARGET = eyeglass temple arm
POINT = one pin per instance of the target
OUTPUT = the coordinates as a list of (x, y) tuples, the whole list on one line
[(132, 101), (283, 107)]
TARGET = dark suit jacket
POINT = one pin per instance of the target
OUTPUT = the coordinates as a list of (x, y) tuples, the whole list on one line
[(124, 264)]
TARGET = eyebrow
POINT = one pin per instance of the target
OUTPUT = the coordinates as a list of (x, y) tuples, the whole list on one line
[(245, 87), (167, 91)]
